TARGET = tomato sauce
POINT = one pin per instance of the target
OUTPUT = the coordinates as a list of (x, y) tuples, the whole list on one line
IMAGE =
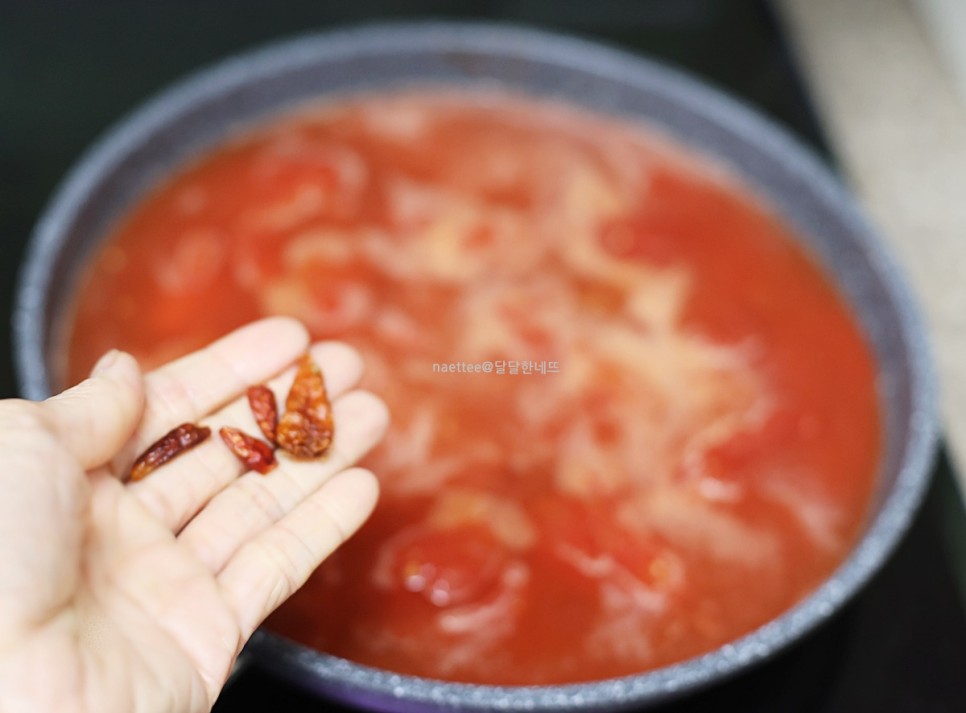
[(677, 439)]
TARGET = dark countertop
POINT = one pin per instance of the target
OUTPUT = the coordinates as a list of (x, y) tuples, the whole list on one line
[(70, 69)]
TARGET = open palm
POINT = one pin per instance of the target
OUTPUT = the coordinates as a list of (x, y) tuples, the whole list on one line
[(136, 598)]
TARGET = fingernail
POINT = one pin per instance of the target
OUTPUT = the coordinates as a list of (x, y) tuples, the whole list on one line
[(105, 362)]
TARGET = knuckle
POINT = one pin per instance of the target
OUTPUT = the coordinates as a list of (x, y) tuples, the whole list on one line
[(265, 501)]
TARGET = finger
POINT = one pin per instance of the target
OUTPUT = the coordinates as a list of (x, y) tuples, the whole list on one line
[(256, 502), (195, 385), (268, 569), (97, 417), (176, 492)]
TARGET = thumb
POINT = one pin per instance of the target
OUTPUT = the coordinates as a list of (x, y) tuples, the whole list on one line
[(97, 417)]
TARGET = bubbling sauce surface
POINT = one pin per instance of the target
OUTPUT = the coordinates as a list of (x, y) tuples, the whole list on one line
[(678, 437)]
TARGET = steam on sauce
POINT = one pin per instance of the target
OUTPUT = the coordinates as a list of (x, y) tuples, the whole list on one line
[(702, 459)]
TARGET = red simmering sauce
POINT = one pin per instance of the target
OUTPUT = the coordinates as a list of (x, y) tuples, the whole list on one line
[(683, 439)]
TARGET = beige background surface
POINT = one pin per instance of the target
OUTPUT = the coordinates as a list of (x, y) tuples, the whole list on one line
[(886, 80)]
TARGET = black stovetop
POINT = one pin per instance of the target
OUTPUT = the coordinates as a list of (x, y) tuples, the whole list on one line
[(68, 69)]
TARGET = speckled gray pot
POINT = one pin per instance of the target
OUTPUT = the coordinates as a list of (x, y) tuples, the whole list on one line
[(196, 113)]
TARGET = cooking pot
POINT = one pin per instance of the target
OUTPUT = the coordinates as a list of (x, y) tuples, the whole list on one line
[(197, 113)]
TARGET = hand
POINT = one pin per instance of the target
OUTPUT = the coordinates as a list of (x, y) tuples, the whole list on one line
[(136, 598)]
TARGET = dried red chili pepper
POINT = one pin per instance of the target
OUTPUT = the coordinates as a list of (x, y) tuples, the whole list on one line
[(261, 399), (255, 454), (172, 444), (306, 428)]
